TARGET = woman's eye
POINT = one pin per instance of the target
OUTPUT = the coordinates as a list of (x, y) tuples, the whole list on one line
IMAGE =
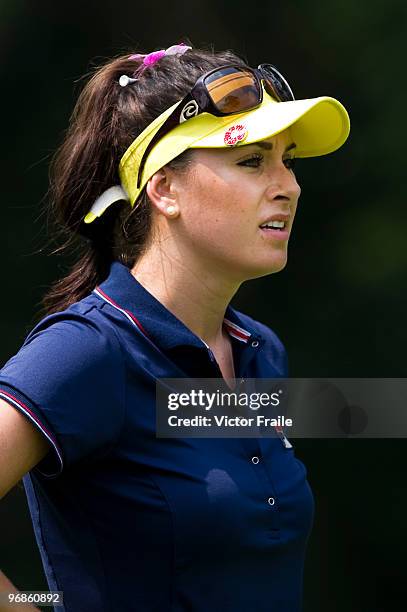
[(252, 162), (289, 162)]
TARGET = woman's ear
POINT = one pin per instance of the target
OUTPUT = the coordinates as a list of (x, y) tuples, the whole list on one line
[(160, 191)]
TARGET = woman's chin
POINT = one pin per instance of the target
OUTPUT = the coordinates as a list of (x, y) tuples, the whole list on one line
[(276, 263), (266, 268)]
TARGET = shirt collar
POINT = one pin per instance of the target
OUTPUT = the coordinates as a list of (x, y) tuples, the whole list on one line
[(128, 296)]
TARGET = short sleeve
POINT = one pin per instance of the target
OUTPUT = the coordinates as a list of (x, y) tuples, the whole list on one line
[(68, 380)]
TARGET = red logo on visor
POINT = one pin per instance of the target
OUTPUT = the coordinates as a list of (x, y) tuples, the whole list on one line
[(235, 134)]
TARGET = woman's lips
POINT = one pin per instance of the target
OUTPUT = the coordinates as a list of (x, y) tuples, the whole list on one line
[(275, 234)]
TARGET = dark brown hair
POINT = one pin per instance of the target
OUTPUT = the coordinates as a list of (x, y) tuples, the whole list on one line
[(105, 121)]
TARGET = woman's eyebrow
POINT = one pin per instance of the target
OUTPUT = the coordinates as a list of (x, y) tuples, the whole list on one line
[(269, 145)]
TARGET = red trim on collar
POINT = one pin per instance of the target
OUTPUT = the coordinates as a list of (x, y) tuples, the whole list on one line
[(237, 332), (99, 291)]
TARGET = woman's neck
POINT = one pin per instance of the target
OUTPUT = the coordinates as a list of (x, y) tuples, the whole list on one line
[(194, 294)]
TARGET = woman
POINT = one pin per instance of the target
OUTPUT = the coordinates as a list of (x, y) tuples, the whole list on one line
[(187, 156)]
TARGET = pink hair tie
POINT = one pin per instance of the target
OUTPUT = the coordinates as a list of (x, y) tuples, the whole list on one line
[(152, 58)]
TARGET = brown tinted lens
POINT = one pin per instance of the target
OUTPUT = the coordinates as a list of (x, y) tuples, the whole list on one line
[(232, 90)]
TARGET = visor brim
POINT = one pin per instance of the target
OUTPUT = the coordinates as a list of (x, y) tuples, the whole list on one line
[(318, 125)]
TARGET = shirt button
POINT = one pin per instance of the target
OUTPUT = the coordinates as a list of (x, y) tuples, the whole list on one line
[(271, 501), (255, 460), (255, 343)]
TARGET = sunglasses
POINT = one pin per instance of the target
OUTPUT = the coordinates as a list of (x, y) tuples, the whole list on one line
[(224, 91)]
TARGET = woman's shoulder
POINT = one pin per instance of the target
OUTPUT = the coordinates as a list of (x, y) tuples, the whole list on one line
[(82, 321), (74, 342), (87, 312)]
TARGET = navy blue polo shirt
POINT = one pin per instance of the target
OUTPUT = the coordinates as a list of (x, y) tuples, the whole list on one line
[(126, 521)]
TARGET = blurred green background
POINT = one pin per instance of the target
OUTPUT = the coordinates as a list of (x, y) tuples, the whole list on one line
[(339, 304)]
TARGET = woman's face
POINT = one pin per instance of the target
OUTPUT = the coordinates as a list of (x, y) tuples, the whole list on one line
[(226, 198)]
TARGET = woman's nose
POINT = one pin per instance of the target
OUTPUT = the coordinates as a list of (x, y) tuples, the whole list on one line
[(283, 182), (293, 187)]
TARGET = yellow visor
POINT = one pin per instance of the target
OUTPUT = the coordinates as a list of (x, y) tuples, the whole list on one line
[(318, 126)]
